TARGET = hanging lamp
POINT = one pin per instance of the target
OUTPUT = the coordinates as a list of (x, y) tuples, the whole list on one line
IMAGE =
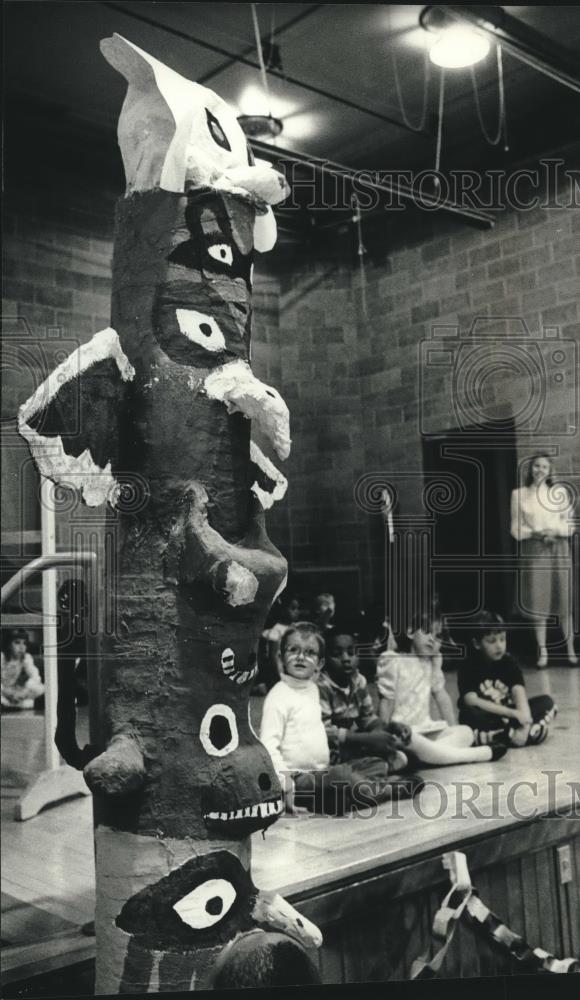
[(261, 126)]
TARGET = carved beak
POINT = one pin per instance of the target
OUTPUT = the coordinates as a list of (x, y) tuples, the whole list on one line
[(234, 385), (272, 912)]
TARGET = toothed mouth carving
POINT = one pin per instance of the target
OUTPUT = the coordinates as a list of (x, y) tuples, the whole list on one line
[(270, 485), (263, 810), (240, 676)]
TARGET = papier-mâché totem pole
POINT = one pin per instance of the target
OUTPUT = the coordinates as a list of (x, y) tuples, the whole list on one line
[(168, 404)]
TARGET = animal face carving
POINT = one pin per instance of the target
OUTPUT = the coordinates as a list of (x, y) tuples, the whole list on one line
[(173, 132), (192, 912), (202, 314)]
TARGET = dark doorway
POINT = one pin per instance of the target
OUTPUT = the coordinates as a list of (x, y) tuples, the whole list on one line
[(473, 551)]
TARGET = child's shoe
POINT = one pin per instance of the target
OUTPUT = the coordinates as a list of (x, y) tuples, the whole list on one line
[(538, 733)]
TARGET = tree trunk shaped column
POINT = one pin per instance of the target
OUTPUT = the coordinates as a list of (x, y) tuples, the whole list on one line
[(167, 403)]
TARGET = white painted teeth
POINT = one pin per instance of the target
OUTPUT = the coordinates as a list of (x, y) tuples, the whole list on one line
[(280, 482), (246, 675), (262, 810)]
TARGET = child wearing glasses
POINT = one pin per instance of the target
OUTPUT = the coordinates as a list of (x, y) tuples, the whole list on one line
[(294, 733)]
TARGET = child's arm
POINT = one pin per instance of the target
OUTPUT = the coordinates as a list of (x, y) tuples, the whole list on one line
[(374, 740), (439, 691), (272, 730), (445, 706), (386, 709), (474, 701), (33, 679), (522, 709), (367, 718), (387, 673)]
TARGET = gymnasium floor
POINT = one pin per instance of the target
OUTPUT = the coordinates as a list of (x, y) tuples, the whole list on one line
[(47, 862)]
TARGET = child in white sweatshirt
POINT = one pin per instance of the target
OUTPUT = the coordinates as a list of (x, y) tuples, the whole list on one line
[(293, 732)]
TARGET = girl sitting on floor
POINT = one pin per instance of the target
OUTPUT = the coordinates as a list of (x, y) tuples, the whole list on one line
[(406, 680), (21, 683)]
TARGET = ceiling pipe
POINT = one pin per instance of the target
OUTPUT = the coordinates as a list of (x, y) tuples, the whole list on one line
[(249, 51), (246, 61), (515, 37), (387, 187)]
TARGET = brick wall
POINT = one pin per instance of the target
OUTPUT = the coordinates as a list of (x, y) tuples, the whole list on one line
[(347, 358), (56, 295), (355, 373)]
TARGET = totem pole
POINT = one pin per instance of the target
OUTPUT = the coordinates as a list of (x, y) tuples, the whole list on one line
[(168, 403)]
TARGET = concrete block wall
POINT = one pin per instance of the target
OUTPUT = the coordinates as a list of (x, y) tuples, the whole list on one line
[(362, 386), (56, 295), (320, 382), (58, 247), (348, 360)]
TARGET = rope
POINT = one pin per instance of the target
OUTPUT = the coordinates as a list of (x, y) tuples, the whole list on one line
[(426, 81), (361, 251), (261, 58), (501, 122), (439, 126)]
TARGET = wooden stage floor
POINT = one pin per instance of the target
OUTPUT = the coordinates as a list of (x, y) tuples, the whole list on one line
[(47, 862)]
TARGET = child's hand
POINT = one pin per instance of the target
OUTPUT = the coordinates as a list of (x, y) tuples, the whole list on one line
[(523, 716), (381, 743), (291, 809), (400, 731), (519, 737)]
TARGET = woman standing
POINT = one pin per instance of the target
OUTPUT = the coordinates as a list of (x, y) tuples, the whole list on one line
[(541, 520)]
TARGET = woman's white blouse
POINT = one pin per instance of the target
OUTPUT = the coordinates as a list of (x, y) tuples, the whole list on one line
[(541, 509)]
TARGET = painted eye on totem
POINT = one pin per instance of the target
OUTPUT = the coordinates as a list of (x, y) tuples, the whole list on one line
[(209, 899), (222, 253), (207, 904), (201, 329), (218, 731), (216, 131)]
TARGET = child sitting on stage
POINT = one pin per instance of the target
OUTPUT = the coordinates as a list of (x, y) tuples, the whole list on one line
[(492, 694), (294, 733), (21, 682), (407, 680)]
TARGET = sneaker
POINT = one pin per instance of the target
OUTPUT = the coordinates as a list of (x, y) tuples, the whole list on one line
[(499, 750), (538, 733)]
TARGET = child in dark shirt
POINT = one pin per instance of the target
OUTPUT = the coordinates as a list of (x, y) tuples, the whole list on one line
[(492, 693)]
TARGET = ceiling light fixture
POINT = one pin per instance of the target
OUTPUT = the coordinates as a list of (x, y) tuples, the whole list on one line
[(456, 45), (260, 126)]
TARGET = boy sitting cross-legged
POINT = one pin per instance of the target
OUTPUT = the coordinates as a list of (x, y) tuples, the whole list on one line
[(492, 694), (314, 776)]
